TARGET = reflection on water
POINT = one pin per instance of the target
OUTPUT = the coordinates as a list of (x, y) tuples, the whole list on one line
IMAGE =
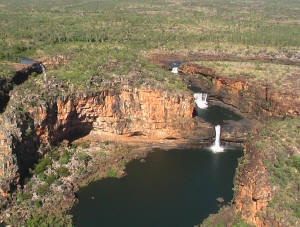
[(172, 188), (26, 61)]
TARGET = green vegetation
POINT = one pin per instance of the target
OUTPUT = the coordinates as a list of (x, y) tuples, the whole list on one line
[(112, 172), (51, 178), (54, 154), (45, 202), (146, 24), (63, 171), (43, 189), (111, 40), (65, 157), (6, 71), (275, 75), (41, 166), (104, 39), (45, 218), (281, 146), (83, 156)]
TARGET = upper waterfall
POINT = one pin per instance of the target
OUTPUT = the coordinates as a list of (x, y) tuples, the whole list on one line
[(174, 70), (201, 100)]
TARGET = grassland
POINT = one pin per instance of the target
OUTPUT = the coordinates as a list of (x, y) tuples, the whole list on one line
[(113, 37), (275, 75)]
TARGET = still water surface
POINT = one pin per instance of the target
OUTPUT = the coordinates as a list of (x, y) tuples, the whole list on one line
[(216, 114), (172, 188)]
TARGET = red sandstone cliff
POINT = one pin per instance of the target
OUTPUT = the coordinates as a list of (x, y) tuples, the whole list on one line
[(253, 98), (253, 189), (148, 114)]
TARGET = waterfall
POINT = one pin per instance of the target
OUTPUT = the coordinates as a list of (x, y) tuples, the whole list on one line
[(216, 147), (43, 68), (44, 72), (175, 70), (201, 100)]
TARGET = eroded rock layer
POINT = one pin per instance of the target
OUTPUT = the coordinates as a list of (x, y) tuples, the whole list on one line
[(253, 98), (146, 113), (253, 189)]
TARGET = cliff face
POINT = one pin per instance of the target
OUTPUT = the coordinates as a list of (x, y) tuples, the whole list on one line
[(258, 199), (145, 113), (256, 99), (127, 112), (22, 74), (253, 190)]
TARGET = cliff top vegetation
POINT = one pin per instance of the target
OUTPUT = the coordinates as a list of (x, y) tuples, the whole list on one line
[(274, 75), (111, 38), (281, 144)]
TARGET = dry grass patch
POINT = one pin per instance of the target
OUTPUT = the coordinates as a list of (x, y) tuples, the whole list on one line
[(275, 74)]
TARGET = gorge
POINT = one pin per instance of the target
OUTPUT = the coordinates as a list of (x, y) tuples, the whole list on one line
[(134, 116)]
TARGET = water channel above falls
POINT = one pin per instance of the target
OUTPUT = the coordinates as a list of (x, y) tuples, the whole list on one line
[(172, 188), (216, 114)]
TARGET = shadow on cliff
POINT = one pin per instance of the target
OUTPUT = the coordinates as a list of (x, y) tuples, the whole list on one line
[(32, 147), (6, 85), (74, 127), (27, 150)]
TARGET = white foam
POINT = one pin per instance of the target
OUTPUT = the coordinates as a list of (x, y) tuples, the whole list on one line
[(217, 147), (175, 70), (200, 99)]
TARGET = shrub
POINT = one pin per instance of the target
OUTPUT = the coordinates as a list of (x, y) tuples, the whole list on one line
[(45, 218), (51, 178), (43, 189), (41, 165), (54, 154), (65, 158), (34, 74), (83, 156), (296, 162), (259, 144), (63, 172), (74, 147), (101, 154), (23, 196), (37, 203), (84, 144), (297, 210), (112, 173), (42, 176)]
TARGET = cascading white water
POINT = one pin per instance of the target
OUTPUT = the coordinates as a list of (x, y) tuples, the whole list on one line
[(216, 147), (44, 72), (201, 100), (175, 70), (43, 68)]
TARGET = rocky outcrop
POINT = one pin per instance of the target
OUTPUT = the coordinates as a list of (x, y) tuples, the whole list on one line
[(51, 62), (252, 98), (21, 75), (253, 189), (143, 113)]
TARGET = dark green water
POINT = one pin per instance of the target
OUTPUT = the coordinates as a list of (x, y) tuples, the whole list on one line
[(216, 115), (172, 188)]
